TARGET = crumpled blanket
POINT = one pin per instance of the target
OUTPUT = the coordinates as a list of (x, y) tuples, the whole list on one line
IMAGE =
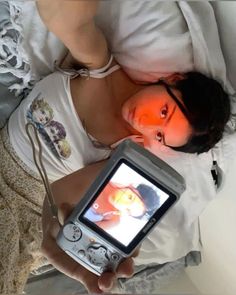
[(14, 64), (148, 279), (21, 200), (15, 73)]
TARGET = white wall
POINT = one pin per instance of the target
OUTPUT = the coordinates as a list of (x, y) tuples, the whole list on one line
[(217, 273), (225, 12)]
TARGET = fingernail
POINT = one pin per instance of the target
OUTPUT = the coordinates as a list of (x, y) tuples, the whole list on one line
[(125, 276), (107, 288)]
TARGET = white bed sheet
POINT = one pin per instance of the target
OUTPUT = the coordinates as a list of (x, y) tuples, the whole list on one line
[(128, 26)]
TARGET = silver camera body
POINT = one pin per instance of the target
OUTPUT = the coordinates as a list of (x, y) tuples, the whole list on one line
[(86, 240)]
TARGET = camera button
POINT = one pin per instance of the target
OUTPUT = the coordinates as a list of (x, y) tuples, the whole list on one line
[(81, 253), (72, 232), (97, 255), (115, 257)]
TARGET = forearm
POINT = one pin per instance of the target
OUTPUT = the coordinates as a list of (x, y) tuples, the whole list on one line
[(88, 46), (70, 189), (70, 14), (73, 23)]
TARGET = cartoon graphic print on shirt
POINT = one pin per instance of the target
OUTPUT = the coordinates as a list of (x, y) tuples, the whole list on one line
[(41, 115)]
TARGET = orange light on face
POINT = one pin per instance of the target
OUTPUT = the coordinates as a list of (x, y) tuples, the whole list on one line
[(147, 120), (127, 199), (147, 114), (155, 115), (124, 197)]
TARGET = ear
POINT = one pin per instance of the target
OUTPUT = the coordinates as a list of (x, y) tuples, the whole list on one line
[(172, 79)]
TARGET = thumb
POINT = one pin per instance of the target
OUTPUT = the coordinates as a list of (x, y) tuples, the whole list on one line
[(64, 211), (136, 252)]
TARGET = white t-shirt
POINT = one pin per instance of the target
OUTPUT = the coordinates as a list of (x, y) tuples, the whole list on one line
[(65, 143)]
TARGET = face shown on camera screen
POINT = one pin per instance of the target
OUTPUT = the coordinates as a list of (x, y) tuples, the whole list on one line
[(125, 204)]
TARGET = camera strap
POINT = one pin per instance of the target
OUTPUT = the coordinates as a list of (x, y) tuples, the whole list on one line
[(40, 167)]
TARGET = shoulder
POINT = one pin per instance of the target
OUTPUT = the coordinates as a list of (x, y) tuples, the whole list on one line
[(56, 77)]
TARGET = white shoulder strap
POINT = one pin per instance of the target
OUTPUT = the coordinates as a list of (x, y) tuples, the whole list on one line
[(104, 71), (97, 73)]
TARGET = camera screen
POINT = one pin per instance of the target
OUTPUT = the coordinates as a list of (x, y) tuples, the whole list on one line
[(125, 204)]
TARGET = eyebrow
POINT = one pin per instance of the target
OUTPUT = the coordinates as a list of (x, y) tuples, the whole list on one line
[(167, 122)]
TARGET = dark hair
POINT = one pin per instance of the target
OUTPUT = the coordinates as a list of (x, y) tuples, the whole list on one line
[(149, 197), (208, 109)]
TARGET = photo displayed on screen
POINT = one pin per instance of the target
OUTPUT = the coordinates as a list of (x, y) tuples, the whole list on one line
[(125, 205)]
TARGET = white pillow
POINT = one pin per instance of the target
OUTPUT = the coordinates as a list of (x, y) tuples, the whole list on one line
[(42, 48), (225, 16), (149, 38)]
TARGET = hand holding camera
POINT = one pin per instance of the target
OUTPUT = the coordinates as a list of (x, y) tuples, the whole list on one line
[(71, 189), (135, 188), (124, 203)]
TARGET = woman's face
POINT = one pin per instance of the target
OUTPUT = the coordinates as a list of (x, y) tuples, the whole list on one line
[(126, 200), (155, 114)]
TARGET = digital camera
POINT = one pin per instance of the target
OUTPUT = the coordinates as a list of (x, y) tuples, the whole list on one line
[(128, 198)]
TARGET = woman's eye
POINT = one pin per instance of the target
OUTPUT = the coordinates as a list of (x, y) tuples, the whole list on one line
[(164, 112), (130, 197)]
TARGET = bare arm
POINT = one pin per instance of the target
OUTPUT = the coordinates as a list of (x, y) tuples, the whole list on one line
[(71, 188), (73, 23)]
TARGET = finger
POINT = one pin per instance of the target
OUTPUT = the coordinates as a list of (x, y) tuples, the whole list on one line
[(65, 264), (126, 268), (106, 281), (136, 252), (53, 228), (64, 210)]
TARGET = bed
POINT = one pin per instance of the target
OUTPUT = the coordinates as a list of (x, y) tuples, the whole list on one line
[(166, 37), (216, 273)]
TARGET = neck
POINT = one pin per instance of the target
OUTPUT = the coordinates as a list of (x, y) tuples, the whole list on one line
[(123, 91)]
